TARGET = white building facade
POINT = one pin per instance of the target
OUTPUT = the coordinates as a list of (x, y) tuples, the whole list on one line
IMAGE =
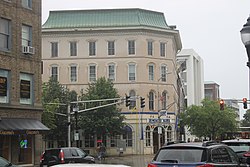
[(193, 80), (134, 48)]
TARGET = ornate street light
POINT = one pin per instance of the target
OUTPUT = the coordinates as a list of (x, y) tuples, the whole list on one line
[(245, 37)]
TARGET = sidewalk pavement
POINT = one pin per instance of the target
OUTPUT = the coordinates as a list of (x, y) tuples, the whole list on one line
[(130, 160)]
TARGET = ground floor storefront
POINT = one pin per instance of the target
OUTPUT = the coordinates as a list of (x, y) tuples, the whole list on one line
[(144, 133), (21, 140)]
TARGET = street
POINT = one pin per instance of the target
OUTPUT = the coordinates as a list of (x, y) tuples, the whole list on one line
[(130, 160)]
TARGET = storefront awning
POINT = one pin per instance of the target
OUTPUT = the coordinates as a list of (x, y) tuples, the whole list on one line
[(21, 125)]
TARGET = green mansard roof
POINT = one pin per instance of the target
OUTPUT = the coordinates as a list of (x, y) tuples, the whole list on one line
[(105, 18)]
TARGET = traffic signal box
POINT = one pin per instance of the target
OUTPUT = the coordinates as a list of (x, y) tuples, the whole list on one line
[(142, 102), (244, 103), (222, 104), (127, 101)]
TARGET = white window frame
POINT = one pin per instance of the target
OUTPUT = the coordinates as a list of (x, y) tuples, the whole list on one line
[(163, 73), (27, 4), (150, 48), (163, 49), (112, 72), (5, 34), (131, 71), (151, 69), (92, 76), (26, 35), (54, 75), (73, 73), (92, 48), (73, 48), (131, 47), (54, 49), (29, 78), (5, 81), (111, 48)]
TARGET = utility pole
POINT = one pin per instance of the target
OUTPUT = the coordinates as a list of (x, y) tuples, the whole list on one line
[(69, 126)]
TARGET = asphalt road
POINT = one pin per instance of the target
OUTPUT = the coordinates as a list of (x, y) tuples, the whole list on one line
[(130, 160)]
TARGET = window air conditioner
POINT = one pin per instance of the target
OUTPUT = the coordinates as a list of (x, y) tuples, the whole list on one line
[(28, 50)]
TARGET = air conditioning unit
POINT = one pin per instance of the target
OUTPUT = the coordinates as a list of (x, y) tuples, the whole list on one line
[(28, 50)]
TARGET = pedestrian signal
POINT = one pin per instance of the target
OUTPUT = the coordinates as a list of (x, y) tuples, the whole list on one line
[(221, 104)]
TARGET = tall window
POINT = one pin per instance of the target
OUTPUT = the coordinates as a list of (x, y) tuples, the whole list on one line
[(54, 49), (132, 99), (4, 86), (131, 47), (26, 88), (148, 137), (54, 73), (73, 73), (111, 72), (163, 73), (150, 48), (131, 72), (163, 49), (92, 48), (169, 133), (73, 48), (92, 73), (151, 72), (5, 34), (127, 135), (26, 35), (151, 101), (27, 3), (164, 100), (111, 47)]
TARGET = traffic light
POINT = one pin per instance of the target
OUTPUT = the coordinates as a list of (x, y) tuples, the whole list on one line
[(245, 103), (221, 104), (142, 102), (127, 101)]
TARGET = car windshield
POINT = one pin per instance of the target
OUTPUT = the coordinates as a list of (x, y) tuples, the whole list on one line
[(4, 162), (237, 147), (180, 155)]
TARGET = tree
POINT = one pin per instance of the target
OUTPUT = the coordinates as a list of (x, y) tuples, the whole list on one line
[(102, 120), (55, 99), (246, 119), (208, 120)]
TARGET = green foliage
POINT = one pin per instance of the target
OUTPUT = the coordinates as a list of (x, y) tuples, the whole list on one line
[(102, 120), (55, 99), (246, 121), (208, 120)]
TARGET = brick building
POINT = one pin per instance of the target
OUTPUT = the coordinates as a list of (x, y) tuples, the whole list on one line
[(20, 81)]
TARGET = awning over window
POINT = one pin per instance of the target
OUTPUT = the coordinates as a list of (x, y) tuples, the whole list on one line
[(10, 126)]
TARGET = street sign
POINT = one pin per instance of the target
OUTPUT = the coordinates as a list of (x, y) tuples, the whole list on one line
[(76, 136), (159, 130)]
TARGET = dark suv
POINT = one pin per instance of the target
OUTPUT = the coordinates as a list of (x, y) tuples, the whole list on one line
[(241, 147), (207, 154), (64, 155)]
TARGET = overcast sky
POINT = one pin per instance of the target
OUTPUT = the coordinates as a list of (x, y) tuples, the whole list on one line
[(210, 27)]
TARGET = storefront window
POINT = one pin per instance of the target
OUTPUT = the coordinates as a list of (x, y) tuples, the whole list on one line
[(4, 146)]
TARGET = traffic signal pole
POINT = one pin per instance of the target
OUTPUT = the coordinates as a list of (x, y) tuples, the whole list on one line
[(69, 126)]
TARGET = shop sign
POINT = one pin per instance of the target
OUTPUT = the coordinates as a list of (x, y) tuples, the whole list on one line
[(11, 132), (25, 89), (156, 120), (3, 86)]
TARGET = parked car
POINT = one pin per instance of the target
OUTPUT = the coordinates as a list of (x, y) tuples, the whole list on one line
[(89, 165), (65, 155), (6, 163), (207, 154), (241, 147)]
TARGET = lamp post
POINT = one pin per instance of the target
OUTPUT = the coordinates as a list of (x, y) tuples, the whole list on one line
[(245, 37)]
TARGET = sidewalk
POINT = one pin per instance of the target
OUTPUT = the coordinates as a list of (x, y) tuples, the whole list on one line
[(130, 160)]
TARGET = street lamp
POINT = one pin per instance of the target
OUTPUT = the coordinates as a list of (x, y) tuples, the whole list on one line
[(245, 37)]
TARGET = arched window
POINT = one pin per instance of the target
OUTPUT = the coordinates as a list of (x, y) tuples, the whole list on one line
[(132, 99), (127, 135), (164, 100), (148, 139), (169, 133), (151, 101)]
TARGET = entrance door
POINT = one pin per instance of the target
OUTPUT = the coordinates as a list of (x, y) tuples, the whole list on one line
[(156, 139)]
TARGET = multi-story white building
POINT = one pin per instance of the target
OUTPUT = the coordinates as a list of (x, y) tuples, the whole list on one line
[(193, 80), (134, 48)]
